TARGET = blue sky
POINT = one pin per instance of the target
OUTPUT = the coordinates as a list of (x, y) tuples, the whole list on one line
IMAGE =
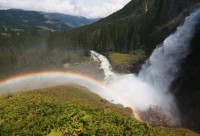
[(87, 8)]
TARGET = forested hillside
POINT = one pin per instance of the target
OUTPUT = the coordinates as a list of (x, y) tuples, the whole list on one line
[(140, 24), (33, 50), (143, 24), (22, 19)]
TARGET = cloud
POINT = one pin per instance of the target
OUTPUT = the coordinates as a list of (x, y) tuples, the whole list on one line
[(87, 8)]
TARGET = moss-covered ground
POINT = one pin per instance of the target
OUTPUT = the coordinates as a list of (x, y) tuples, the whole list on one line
[(119, 59), (71, 110)]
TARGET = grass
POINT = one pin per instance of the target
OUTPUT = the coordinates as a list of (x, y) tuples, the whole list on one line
[(55, 133), (120, 59), (71, 110)]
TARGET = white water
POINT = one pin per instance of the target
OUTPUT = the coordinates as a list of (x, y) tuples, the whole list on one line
[(164, 63), (105, 65), (151, 86)]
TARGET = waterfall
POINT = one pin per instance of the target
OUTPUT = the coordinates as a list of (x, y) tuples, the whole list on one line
[(151, 86), (105, 65), (164, 63)]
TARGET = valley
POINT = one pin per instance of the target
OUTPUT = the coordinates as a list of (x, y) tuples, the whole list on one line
[(134, 72)]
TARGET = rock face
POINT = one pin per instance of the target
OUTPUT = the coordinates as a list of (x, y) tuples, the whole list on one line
[(186, 87)]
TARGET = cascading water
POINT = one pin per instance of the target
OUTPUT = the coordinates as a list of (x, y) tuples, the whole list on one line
[(105, 65), (150, 87), (164, 63)]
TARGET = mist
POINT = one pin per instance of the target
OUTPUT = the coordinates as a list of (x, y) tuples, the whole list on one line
[(150, 88)]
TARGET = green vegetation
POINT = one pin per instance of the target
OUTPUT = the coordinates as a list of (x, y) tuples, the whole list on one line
[(70, 110), (122, 62), (55, 133), (120, 59), (141, 24), (16, 18), (36, 50)]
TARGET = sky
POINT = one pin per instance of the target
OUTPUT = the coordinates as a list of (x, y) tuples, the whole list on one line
[(86, 8)]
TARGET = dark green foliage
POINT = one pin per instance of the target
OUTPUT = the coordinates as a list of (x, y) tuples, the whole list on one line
[(140, 24), (34, 50)]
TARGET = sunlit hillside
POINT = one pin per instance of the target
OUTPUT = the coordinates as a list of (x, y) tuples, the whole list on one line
[(71, 110)]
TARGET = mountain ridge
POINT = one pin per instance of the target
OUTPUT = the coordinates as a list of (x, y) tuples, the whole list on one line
[(140, 24), (18, 18), (74, 21)]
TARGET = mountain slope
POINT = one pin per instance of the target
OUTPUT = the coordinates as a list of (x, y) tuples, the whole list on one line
[(71, 110), (143, 24), (14, 18), (140, 24), (29, 19), (72, 21)]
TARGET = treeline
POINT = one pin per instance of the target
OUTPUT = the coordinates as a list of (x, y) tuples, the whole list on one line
[(35, 49), (141, 24), (16, 18)]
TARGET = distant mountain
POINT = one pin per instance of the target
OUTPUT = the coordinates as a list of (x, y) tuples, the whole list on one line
[(73, 21), (141, 24), (15, 18)]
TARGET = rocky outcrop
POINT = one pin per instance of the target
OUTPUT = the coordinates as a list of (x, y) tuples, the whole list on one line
[(186, 87)]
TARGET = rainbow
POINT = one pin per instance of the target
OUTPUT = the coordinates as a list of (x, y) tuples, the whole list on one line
[(24, 81)]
